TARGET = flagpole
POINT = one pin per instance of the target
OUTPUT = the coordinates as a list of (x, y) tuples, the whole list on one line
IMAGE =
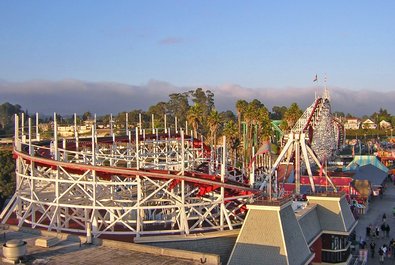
[(315, 80)]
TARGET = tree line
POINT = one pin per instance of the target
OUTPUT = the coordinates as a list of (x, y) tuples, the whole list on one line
[(246, 129), (250, 125)]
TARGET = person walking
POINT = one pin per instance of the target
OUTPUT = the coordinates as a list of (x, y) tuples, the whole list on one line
[(381, 256), (368, 231), (387, 230), (372, 248), (382, 228), (384, 217), (392, 246), (377, 231)]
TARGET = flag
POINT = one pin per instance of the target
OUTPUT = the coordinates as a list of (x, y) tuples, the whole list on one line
[(315, 78)]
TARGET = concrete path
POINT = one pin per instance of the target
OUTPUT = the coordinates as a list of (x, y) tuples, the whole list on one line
[(374, 216)]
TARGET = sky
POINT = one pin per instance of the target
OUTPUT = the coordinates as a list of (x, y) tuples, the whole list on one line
[(65, 56)]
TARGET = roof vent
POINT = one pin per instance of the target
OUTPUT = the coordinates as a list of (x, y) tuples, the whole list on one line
[(14, 250)]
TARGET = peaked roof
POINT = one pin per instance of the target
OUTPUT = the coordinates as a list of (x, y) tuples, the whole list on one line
[(309, 223), (370, 172), (271, 235), (362, 160), (275, 234), (334, 213), (368, 121)]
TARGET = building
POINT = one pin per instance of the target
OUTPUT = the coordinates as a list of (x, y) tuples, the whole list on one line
[(369, 124), (69, 130), (296, 233), (385, 125), (352, 124)]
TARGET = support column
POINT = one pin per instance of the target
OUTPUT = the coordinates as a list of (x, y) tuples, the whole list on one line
[(165, 123), (93, 218), (127, 123), (37, 127), (297, 163), (55, 136)]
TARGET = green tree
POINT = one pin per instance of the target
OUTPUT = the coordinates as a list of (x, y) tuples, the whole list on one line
[(278, 112), (120, 120), (227, 116), (381, 115), (241, 107), (7, 176), (258, 126), (87, 116), (159, 110), (205, 99), (7, 113), (178, 106), (134, 117), (292, 115), (213, 120), (194, 116), (339, 114), (232, 138)]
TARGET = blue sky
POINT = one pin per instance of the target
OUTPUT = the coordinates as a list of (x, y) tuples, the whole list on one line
[(254, 44)]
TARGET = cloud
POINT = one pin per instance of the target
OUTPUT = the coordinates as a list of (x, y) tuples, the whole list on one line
[(69, 96), (171, 41)]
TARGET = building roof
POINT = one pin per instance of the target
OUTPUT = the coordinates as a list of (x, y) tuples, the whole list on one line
[(368, 121), (271, 235), (362, 160), (277, 234), (309, 222), (334, 214), (371, 173), (70, 250)]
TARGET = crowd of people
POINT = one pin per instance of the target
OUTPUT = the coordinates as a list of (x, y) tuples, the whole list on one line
[(373, 233)]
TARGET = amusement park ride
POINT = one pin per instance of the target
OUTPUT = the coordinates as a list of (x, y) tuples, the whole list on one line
[(313, 139), (142, 184)]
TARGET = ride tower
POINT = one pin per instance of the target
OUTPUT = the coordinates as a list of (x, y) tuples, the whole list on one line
[(313, 140)]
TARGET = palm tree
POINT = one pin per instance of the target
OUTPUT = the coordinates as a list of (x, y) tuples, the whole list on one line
[(241, 107), (232, 138), (292, 115), (194, 117), (251, 117), (213, 120), (264, 123)]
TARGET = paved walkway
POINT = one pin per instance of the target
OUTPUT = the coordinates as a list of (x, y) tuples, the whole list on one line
[(374, 216)]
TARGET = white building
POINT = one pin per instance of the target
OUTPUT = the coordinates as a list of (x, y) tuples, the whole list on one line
[(352, 124), (385, 125), (369, 124)]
